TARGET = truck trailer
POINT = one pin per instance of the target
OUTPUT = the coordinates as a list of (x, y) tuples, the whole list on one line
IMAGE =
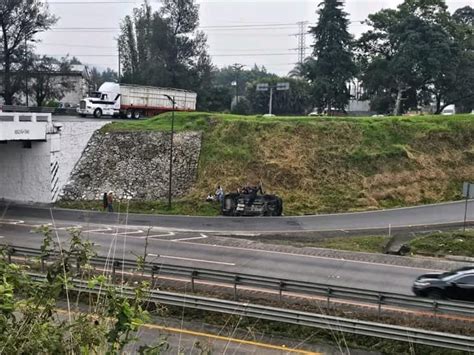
[(135, 101)]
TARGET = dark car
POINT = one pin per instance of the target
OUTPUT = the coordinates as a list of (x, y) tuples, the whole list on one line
[(456, 285)]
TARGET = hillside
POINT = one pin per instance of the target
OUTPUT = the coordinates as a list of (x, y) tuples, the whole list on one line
[(329, 164)]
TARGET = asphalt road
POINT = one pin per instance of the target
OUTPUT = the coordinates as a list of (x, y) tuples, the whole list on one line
[(429, 215), (185, 248), (177, 240)]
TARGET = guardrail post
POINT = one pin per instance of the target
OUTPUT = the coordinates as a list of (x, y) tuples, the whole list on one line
[(435, 308), (194, 273), (42, 262), (380, 299), (10, 251), (115, 265), (329, 296), (282, 286), (236, 281), (154, 270)]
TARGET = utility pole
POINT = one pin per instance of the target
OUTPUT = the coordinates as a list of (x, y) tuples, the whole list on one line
[(173, 101), (237, 68), (119, 74), (26, 72)]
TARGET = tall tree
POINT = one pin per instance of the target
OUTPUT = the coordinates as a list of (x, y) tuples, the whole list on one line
[(165, 48), (415, 48), (333, 65), (20, 20)]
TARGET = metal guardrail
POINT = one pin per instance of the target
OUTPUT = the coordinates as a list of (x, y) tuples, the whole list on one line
[(339, 324), (330, 292), (17, 108)]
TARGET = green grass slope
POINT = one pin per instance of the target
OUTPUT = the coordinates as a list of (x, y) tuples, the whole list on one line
[(329, 164)]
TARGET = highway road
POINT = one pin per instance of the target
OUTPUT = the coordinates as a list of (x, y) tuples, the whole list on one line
[(451, 213), (179, 241)]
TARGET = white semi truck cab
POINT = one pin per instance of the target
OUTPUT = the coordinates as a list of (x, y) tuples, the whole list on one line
[(105, 102), (135, 101)]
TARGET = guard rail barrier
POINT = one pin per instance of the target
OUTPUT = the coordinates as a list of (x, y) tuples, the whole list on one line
[(329, 292)]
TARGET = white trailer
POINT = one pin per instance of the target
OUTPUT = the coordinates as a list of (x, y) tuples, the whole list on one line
[(135, 101)]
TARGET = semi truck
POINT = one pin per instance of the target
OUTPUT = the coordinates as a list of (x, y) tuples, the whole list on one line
[(135, 101)]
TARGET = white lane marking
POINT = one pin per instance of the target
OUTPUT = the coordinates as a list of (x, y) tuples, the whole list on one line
[(108, 229), (11, 221), (203, 236), (196, 260), (315, 257), (2, 237), (170, 234), (153, 255), (127, 233)]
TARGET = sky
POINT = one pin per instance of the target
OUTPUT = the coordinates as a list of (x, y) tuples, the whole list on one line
[(248, 32)]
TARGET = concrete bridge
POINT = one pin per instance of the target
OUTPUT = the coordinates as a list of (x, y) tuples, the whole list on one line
[(38, 154)]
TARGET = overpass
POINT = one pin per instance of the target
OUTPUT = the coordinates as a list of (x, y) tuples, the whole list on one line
[(37, 154)]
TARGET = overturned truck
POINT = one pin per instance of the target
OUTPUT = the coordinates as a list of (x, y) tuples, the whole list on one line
[(251, 204)]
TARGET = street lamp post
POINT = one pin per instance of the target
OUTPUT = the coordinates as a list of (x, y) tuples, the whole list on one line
[(26, 72), (172, 100)]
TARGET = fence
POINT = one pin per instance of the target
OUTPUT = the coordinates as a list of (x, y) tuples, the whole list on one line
[(338, 324), (329, 292)]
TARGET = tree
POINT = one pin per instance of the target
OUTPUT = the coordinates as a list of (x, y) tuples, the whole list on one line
[(333, 65), (413, 52), (98, 78), (165, 48), (20, 20), (50, 79)]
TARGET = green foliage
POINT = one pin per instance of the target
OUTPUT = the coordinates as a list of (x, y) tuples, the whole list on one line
[(20, 20), (32, 323), (165, 48), (417, 54), (441, 244), (332, 66)]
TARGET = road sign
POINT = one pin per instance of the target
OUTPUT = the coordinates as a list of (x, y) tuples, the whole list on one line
[(468, 190), (283, 86), (263, 87)]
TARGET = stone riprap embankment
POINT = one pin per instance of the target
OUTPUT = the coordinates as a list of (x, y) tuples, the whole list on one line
[(135, 165)]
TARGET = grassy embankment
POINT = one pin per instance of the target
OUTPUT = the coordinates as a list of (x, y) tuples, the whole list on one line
[(321, 165), (436, 244)]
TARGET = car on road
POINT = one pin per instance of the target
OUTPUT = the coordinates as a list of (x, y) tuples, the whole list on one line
[(457, 285)]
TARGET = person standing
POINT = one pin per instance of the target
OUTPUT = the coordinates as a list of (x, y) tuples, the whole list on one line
[(219, 193), (110, 201), (104, 201)]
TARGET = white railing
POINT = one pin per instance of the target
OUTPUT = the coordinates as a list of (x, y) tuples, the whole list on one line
[(25, 117)]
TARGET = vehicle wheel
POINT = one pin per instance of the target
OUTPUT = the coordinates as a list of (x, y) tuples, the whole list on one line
[(136, 115), (129, 114), (98, 113), (435, 294)]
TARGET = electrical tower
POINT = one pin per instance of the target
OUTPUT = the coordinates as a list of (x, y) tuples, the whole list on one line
[(302, 40)]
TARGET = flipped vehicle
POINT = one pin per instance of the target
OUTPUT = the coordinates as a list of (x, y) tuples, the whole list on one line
[(250, 203), (456, 285)]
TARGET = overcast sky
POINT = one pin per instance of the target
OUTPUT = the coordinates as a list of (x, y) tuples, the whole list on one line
[(264, 32)]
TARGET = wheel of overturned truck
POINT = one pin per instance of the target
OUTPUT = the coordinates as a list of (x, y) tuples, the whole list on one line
[(136, 115), (98, 113)]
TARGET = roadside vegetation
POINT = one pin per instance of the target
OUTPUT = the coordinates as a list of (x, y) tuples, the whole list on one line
[(455, 243), (324, 165)]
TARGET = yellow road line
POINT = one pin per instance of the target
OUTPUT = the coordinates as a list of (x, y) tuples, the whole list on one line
[(232, 340), (216, 337)]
